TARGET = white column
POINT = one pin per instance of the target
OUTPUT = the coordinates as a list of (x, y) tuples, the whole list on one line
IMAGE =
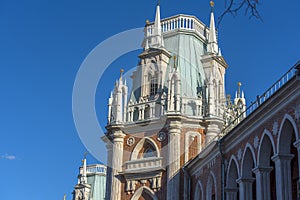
[(117, 161), (174, 161), (245, 188), (109, 177), (140, 113), (152, 111), (231, 193), (211, 132), (263, 182), (283, 175)]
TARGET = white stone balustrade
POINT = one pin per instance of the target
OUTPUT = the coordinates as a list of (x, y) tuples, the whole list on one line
[(180, 22), (143, 164)]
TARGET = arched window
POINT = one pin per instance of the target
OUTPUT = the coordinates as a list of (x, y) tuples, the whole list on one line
[(153, 85), (145, 148), (148, 150)]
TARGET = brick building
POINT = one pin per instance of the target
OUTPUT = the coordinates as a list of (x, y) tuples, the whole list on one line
[(176, 135)]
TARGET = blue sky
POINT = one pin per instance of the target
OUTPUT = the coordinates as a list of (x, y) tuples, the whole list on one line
[(43, 44)]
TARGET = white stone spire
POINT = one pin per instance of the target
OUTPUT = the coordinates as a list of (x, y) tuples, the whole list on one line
[(157, 39), (212, 38), (83, 175)]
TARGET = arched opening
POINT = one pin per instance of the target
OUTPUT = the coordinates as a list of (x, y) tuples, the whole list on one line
[(135, 114), (265, 171), (287, 163), (144, 193), (199, 192), (147, 112), (147, 151), (145, 148), (232, 189), (247, 181), (211, 190)]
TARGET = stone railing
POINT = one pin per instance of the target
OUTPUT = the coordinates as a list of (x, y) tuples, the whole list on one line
[(180, 22), (260, 99), (143, 164), (94, 169)]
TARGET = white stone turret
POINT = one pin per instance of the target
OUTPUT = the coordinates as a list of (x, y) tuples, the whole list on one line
[(240, 102), (82, 189), (117, 103), (83, 175)]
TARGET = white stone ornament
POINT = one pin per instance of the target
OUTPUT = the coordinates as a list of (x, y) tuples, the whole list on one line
[(256, 142), (297, 112), (130, 141), (239, 154), (161, 136), (275, 128)]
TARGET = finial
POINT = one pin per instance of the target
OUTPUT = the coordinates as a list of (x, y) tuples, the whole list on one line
[(212, 4), (121, 73), (147, 22), (65, 197), (158, 2)]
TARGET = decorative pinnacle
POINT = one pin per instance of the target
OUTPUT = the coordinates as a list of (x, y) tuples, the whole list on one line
[(175, 57), (147, 22), (212, 4)]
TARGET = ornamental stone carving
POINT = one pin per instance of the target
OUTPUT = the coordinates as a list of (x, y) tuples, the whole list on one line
[(161, 136), (130, 141), (275, 128)]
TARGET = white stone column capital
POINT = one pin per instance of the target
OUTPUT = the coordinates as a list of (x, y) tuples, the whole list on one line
[(261, 169), (245, 180), (297, 144), (118, 136), (281, 157), (229, 189)]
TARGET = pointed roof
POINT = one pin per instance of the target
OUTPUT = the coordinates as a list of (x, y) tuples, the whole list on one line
[(212, 38), (157, 39)]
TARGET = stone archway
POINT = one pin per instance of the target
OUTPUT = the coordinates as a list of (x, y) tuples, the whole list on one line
[(231, 188), (265, 170), (211, 188), (144, 193), (247, 182), (286, 161), (199, 192)]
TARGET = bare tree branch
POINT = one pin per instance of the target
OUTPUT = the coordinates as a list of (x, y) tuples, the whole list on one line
[(234, 6)]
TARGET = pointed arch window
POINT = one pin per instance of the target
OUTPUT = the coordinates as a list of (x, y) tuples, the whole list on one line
[(148, 150)]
